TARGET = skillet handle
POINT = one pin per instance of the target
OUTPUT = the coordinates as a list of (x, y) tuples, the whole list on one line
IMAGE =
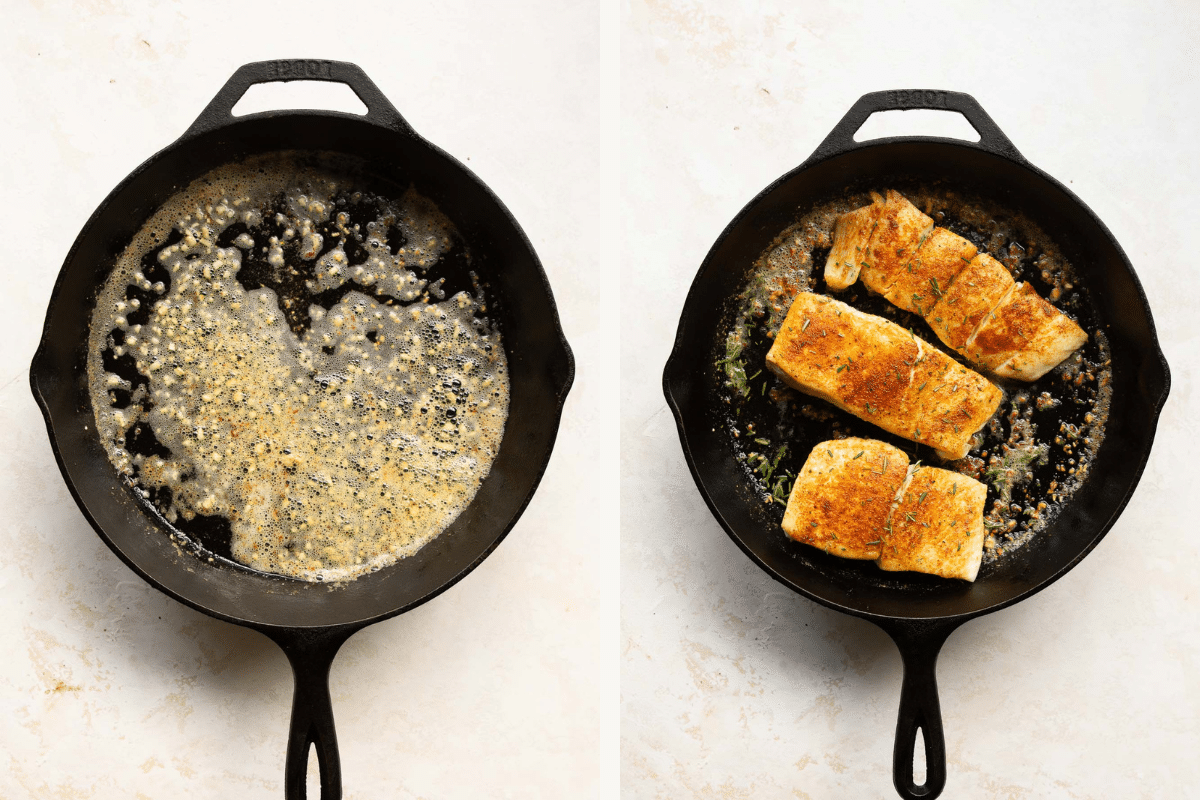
[(218, 112), (991, 138), (311, 654), (919, 642)]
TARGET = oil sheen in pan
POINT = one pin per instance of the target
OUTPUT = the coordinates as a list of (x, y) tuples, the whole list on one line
[(296, 372), (1035, 452)]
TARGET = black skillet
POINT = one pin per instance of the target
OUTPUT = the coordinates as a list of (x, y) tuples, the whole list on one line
[(308, 621), (919, 613)]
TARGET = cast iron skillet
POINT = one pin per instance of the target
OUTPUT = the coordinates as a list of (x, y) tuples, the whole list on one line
[(309, 621), (922, 612)]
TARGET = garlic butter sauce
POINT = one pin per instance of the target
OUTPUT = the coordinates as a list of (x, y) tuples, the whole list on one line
[(337, 428)]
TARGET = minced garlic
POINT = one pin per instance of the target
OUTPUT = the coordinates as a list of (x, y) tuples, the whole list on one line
[(285, 433)]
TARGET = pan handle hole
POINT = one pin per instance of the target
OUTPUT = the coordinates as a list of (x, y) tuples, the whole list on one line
[(321, 95), (916, 122), (312, 779), (919, 758)]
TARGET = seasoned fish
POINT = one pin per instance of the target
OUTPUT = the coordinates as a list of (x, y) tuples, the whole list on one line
[(953, 402), (1024, 337), (850, 239), (843, 495), (968, 298), (936, 526), (975, 292), (939, 260), (901, 230), (860, 498), (881, 373)]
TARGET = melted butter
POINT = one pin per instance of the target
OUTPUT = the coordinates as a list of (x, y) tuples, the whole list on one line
[(333, 450)]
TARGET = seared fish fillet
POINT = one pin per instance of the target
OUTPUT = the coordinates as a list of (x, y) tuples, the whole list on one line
[(965, 304), (850, 239), (968, 298), (939, 260), (860, 499), (901, 231), (953, 403), (843, 495), (881, 373), (937, 525), (1024, 337)]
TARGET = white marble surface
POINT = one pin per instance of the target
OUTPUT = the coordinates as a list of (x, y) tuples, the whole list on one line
[(503, 687), (734, 687)]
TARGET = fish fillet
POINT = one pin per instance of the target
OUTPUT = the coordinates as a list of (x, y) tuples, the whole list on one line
[(843, 495), (901, 230), (851, 236), (936, 525), (938, 261), (860, 499), (965, 304), (882, 373), (1025, 337), (969, 298), (953, 402)]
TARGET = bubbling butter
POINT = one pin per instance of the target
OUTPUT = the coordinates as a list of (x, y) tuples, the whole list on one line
[(335, 439)]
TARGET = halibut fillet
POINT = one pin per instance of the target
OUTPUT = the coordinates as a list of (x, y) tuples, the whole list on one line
[(968, 298), (843, 495), (850, 239), (901, 230), (882, 373), (936, 525), (861, 499), (1024, 337)]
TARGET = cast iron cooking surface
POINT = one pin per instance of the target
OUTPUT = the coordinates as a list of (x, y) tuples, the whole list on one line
[(920, 611)]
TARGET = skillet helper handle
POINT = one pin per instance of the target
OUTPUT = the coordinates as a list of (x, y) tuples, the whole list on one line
[(919, 642), (991, 138), (219, 112), (311, 654)]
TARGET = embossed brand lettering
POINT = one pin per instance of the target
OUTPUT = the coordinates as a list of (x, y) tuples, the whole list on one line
[(300, 68), (918, 98)]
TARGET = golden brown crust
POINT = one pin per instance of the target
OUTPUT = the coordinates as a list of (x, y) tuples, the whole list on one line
[(953, 403), (851, 237), (1047, 337), (858, 362), (881, 373), (1008, 328), (937, 525), (916, 284), (938, 261), (843, 494), (978, 289), (878, 387), (967, 297), (819, 339), (900, 231)]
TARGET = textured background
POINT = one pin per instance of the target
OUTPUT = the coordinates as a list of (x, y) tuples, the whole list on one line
[(503, 687), (734, 687)]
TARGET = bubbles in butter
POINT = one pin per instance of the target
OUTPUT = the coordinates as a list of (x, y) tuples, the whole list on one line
[(334, 440)]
